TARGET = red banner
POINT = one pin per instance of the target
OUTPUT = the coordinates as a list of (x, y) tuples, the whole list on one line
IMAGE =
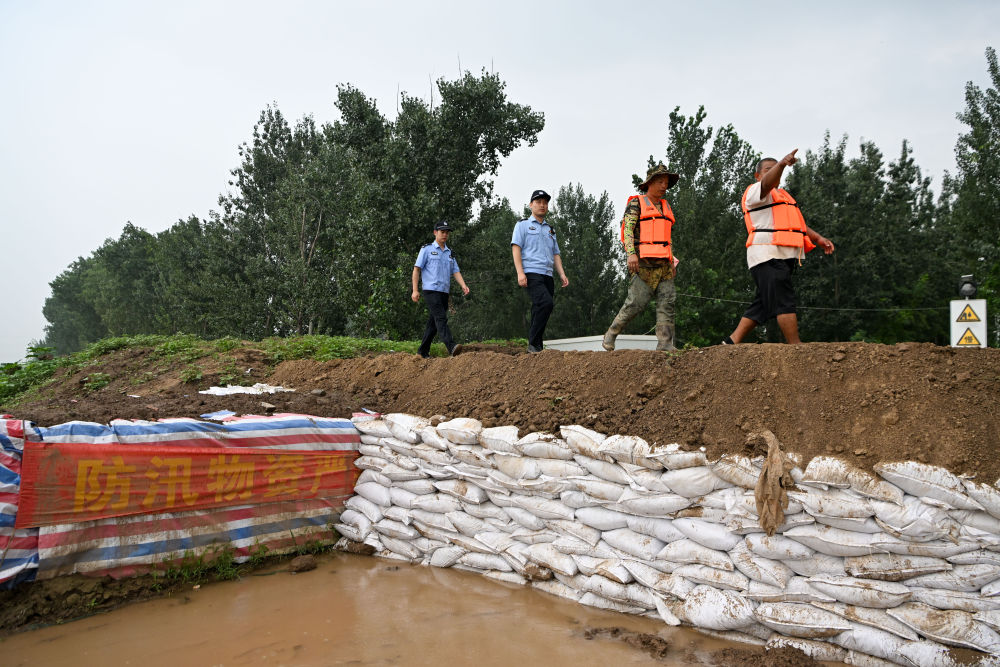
[(72, 482)]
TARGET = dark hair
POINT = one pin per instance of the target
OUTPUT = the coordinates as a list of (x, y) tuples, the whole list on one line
[(761, 162)]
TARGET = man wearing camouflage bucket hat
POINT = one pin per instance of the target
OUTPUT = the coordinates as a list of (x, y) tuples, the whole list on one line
[(645, 233)]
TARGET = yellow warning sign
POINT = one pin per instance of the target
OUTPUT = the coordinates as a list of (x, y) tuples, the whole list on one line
[(968, 315), (969, 338)]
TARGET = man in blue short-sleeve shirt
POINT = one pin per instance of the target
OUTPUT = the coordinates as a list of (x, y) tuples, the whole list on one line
[(536, 253), (434, 268)]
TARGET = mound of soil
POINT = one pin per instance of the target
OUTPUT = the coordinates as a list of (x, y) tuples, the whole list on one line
[(862, 402)]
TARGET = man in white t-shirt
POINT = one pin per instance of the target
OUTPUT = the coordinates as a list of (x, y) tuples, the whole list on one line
[(778, 239)]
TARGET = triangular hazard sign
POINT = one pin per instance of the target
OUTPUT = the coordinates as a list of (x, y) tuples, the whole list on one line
[(968, 338), (968, 315)]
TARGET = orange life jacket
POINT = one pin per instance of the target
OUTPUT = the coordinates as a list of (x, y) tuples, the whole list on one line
[(652, 231), (789, 225)]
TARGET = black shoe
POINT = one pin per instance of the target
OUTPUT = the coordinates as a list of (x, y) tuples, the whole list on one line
[(457, 350), (424, 356), (727, 341), (533, 349)]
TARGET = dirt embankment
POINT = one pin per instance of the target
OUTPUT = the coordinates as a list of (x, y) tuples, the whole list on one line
[(866, 403)]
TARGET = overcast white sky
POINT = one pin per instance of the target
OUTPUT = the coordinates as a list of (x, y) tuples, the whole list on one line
[(133, 111)]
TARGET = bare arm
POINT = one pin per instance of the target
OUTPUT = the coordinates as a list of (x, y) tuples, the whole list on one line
[(772, 177), (522, 279), (820, 240), (416, 293), (557, 262), (461, 283)]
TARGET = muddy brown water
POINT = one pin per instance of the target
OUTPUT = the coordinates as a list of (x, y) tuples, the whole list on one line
[(357, 610)]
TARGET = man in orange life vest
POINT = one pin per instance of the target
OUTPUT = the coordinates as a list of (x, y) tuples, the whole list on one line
[(778, 238), (645, 233)]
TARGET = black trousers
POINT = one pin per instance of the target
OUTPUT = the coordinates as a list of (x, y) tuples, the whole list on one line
[(541, 289), (437, 322)]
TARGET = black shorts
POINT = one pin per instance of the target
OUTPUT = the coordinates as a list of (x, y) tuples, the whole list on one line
[(775, 294)]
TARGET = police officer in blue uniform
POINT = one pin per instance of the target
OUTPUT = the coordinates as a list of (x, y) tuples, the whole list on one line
[(536, 253), (434, 268)]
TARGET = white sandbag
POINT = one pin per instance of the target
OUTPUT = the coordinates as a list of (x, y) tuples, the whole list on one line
[(921, 479), (573, 547), (516, 467), (990, 618), (433, 519), (365, 506), (640, 596), (648, 481), (471, 455), (712, 535), (482, 561), (587, 565), (606, 588), (506, 577), (737, 470), (501, 482), (703, 574), (641, 546), (544, 446), (816, 564), (826, 471), (371, 439), (965, 578), (944, 599), (543, 508), (400, 514), (893, 567), (598, 488), (624, 448), (406, 427), (600, 518), (797, 590), (402, 547), (461, 431), (649, 576), (687, 551), (915, 520), (499, 439), (350, 532), (559, 468), (471, 544), (817, 650), (462, 490), (370, 463), (576, 529), (399, 474), (937, 548), (421, 487), (672, 457), (861, 592), (372, 427), (737, 500), (525, 518), (557, 588), (374, 449), (661, 529), (926, 653), (374, 493), (984, 522), (503, 500), (373, 476), (447, 556), (396, 529), (987, 495), (578, 499), (485, 510), (427, 545), (955, 628), (743, 525), (435, 502), (833, 503), (546, 555), (430, 437), (609, 472), (433, 455), (777, 547), (707, 607), (800, 620), (991, 589), (693, 482), (866, 525), (504, 525), (651, 505), (870, 641), (834, 541), (766, 570), (876, 618), (594, 600), (582, 440), (465, 523)]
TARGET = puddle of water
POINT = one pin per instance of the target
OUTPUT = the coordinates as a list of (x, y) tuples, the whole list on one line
[(354, 610)]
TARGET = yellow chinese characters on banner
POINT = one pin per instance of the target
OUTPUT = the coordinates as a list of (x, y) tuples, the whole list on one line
[(64, 482)]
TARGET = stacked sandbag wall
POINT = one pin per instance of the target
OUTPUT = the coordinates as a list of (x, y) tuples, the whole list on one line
[(894, 568)]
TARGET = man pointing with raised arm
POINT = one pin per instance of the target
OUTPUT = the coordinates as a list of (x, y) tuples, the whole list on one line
[(777, 240)]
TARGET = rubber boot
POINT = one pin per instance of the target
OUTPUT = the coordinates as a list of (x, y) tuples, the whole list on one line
[(609, 338), (665, 338)]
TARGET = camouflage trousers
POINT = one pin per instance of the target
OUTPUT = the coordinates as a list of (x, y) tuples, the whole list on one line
[(639, 294)]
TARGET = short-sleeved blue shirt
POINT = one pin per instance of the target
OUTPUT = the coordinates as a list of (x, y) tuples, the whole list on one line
[(436, 266), (538, 244)]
